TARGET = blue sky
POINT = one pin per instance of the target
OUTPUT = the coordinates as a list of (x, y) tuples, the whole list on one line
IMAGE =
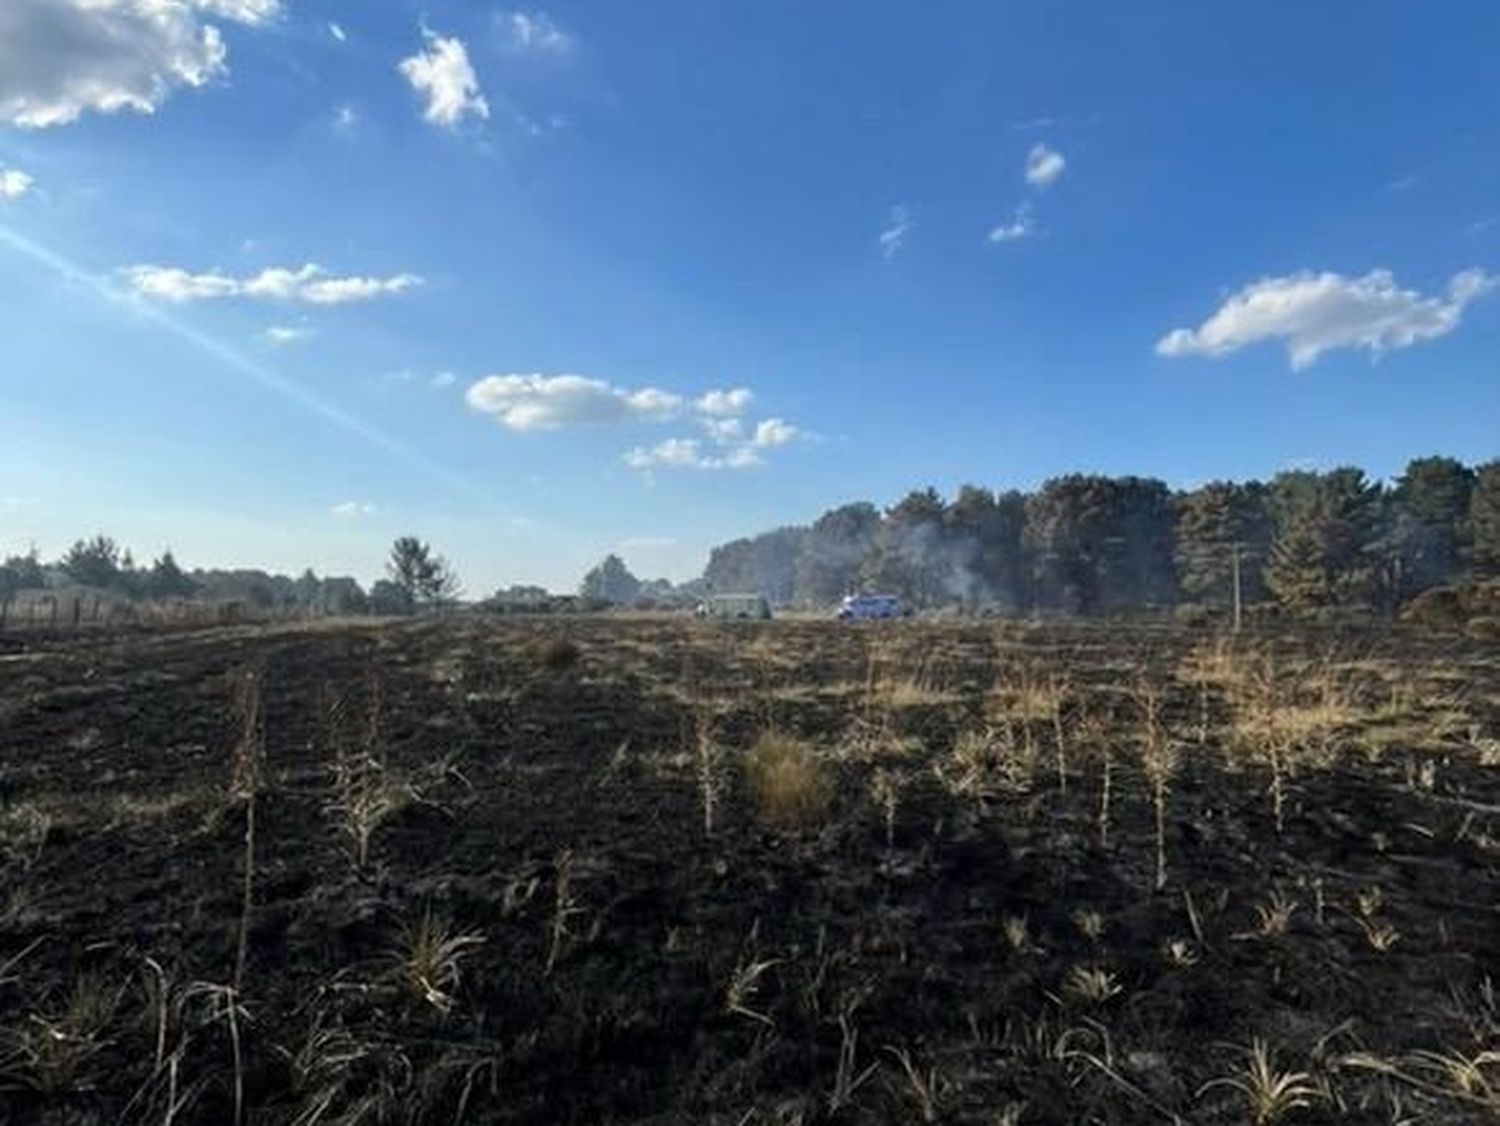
[(283, 279)]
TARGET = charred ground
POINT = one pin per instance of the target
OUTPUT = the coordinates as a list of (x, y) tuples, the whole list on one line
[(539, 873)]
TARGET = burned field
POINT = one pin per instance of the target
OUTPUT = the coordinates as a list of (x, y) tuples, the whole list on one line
[(612, 871)]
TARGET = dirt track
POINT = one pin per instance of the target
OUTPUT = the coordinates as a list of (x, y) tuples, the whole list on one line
[(545, 797)]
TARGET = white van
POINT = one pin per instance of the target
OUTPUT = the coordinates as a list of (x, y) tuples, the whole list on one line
[(751, 607), (865, 607)]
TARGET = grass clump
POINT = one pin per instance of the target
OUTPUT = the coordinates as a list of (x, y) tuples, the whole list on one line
[(557, 654), (789, 782)]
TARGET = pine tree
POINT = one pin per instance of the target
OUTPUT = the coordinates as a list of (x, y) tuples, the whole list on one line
[(1214, 523), (611, 581), (1429, 525), (1484, 521), (166, 579), (833, 553), (1101, 544), (910, 557), (1327, 537), (94, 562)]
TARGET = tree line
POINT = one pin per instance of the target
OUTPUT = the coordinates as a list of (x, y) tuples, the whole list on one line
[(417, 578), (1096, 545)]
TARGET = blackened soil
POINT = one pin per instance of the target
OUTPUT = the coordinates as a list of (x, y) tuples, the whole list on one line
[(990, 949)]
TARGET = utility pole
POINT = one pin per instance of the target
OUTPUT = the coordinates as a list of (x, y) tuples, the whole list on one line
[(1237, 600)]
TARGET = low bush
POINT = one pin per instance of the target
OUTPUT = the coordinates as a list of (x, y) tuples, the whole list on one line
[(557, 654), (789, 782)]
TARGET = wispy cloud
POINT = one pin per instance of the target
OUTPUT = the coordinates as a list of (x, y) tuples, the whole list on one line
[(445, 78), (60, 59), (535, 31), (1044, 166), (283, 335), (690, 453), (550, 402), (898, 225), (555, 402), (14, 183), (1316, 313), (437, 379), (309, 284), (726, 446), (1021, 225), (353, 509), (773, 432), (725, 404), (338, 32), (1404, 183)]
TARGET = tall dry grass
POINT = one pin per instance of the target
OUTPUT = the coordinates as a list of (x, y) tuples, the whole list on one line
[(790, 783)]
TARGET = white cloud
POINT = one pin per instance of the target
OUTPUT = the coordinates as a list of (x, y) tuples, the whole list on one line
[(444, 76), (549, 402), (535, 31), (338, 32), (727, 446), (1021, 226), (286, 334), (725, 404), (341, 291), (724, 429), (62, 58), (345, 118), (1044, 166), (439, 379), (309, 284), (772, 432), (14, 183), (689, 453), (169, 283), (899, 224), (1315, 313), (552, 402), (352, 509)]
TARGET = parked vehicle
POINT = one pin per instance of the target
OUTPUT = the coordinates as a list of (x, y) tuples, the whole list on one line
[(745, 607), (867, 607)]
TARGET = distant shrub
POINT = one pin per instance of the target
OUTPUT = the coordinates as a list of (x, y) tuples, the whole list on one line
[(1266, 613), (1439, 608), (557, 654), (1484, 599), (1461, 606), (1341, 617), (789, 783), (1484, 629), (1196, 615)]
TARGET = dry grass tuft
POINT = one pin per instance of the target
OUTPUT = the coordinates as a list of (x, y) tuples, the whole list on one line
[(1270, 1094), (557, 654), (428, 955), (1091, 985), (789, 782)]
